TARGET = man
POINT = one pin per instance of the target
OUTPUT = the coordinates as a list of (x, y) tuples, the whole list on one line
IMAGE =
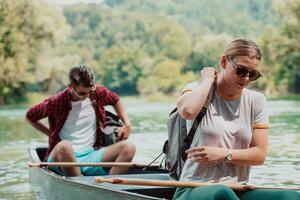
[(76, 119)]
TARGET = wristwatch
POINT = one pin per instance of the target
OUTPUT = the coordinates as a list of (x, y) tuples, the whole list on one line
[(228, 157)]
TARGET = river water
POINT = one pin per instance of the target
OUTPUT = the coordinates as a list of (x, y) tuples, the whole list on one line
[(282, 166)]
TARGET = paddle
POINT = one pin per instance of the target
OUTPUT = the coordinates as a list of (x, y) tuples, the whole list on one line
[(144, 182), (89, 164)]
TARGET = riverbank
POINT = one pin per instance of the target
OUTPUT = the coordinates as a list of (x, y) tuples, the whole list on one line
[(292, 97), (34, 98)]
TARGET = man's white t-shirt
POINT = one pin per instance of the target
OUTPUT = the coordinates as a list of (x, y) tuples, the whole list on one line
[(80, 127)]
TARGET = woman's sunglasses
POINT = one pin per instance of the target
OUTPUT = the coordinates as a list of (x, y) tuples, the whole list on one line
[(242, 71)]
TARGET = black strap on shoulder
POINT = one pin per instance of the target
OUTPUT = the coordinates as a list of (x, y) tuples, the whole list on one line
[(190, 135), (189, 138)]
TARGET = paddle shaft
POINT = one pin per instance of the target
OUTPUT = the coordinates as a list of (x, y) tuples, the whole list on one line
[(88, 164), (143, 182)]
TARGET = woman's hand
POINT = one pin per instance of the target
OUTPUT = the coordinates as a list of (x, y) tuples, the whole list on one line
[(209, 73), (206, 154)]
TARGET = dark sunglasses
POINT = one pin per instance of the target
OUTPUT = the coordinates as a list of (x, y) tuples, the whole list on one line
[(84, 93), (242, 71)]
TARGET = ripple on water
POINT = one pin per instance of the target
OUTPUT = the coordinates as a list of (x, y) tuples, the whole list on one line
[(11, 114), (14, 183), (282, 166), (149, 133)]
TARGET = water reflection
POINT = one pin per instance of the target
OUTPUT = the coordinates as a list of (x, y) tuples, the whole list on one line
[(13, 171), (282, 166)]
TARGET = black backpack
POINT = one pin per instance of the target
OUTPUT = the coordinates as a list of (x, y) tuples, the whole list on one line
[(112, 125), (179, 140)]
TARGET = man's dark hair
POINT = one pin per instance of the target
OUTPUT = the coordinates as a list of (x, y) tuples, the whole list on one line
[(81, 75)]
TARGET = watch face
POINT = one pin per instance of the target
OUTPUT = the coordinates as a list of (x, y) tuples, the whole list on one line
[(229, 157)]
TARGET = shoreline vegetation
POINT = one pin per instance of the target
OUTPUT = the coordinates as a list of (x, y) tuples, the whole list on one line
[(130, 53), (34, 98)]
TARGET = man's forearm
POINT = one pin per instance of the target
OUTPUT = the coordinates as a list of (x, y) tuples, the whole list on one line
[(120, 110), (39, 126)]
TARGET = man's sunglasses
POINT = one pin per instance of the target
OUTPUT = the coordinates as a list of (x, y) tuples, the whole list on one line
[(242, 71), (83, 93)]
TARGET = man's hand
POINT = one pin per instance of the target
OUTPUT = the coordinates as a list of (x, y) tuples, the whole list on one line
[(125, 129), (124, 132)]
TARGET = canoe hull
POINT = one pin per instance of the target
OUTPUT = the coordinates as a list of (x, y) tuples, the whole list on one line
[(49, 185)]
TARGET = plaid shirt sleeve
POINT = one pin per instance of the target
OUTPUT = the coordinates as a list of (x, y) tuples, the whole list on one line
[(38, 111), (108, 97)]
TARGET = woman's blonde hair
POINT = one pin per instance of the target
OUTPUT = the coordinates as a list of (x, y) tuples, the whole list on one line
[(243, 47)]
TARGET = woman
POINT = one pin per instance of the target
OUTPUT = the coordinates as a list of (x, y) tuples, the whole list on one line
[(233, 135)]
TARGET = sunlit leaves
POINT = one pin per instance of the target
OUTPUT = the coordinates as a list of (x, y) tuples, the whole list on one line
[(27, 28), (281, 48)]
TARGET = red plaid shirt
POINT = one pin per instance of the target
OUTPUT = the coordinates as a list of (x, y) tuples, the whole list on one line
[(57, 109)]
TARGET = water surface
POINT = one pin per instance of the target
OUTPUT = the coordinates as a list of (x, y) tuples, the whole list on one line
[(282, 166)]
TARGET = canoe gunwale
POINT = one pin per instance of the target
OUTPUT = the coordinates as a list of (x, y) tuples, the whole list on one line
[(90, 187)]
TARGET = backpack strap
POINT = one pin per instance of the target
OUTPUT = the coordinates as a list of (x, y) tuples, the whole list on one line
[(190, 136)]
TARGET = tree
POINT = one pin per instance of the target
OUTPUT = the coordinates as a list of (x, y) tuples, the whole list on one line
[(207, 52), (119, 42), (166, 78), (291, 31), (120, 69), (282, 51), (27, 28)]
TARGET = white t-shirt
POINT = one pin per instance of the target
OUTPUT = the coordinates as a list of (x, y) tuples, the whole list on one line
[(80, 127), (227, 124)]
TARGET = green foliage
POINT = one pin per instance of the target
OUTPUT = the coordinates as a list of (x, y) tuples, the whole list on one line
[(148, 48), (270, 66), (126, 42), (207, 51), (166, 77), (120, 69), (120, 56), (26, 29), (35, 97), (291, 58), (237, 18), (282, 52), (290, 72)]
